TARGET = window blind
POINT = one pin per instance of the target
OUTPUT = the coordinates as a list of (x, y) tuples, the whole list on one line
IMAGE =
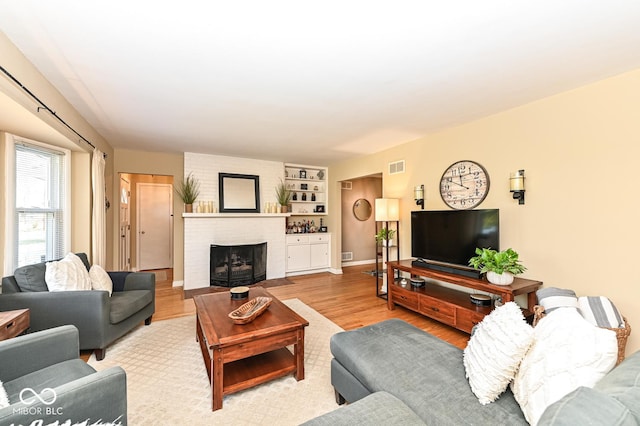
[(39, 203)]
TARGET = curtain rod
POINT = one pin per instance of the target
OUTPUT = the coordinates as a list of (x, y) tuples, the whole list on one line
[(45, 107)]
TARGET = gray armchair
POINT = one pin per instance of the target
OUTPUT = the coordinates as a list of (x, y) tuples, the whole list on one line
[(99, 318), (47, 364)]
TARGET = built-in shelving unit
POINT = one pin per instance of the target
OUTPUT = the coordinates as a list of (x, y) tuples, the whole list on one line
[(309, 186)]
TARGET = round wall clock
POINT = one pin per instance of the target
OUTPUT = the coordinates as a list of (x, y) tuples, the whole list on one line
[(464, 185)]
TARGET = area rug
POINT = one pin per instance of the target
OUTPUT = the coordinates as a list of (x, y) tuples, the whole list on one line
[(167, 383)]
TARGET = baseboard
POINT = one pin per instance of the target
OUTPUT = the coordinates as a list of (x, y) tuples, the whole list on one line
[(359, 262), (178, 284), (336, 271)]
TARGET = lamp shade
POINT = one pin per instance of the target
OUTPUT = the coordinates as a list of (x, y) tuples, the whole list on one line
[(387, 209)]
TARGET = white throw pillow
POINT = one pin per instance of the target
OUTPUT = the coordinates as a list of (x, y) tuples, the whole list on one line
[(4, 399), (67, 274), (494, 352), (567, 352), (100, 280)]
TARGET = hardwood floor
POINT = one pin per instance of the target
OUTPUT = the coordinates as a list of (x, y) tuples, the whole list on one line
[(349, 300)]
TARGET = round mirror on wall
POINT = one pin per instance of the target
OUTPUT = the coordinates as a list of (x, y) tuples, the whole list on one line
[(362, 209)]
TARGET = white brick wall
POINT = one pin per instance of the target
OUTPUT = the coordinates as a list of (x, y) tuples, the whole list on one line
[(201, 232), (206, 168)]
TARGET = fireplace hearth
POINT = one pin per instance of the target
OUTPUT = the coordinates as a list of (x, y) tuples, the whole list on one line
[(235, 265)]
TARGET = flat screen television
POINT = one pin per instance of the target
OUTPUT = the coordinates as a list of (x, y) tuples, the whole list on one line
[(447, 239)]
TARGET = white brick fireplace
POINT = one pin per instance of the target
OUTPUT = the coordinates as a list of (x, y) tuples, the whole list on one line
[(202, 230)]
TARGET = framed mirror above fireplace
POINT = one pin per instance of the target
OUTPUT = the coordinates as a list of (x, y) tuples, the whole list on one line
[(239, 193)]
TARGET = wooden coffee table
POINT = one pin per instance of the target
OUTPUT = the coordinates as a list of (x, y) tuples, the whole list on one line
[(238, 357)]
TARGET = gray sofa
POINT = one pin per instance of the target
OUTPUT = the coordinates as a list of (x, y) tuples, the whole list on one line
[(47, 364), (394, 373), (100, 319)]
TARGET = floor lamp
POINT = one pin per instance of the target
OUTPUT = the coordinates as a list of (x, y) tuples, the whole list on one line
[(387, 210)]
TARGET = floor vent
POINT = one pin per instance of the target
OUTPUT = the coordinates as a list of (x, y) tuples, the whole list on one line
[(396, 167), (347, 255), (348, 185)]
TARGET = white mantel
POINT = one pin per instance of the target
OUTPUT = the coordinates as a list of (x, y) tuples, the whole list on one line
[(203, 229)]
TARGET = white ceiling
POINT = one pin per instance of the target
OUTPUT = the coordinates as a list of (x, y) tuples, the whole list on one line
[(312, 81)]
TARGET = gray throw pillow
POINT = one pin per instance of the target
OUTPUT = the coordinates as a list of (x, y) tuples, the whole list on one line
[(31, 277)]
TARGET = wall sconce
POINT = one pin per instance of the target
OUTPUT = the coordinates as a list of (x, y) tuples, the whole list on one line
[(516, 185), (418, 195)]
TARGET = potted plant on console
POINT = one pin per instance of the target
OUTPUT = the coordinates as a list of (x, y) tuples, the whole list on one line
[(500, 266), (385, 235), (188, 190)]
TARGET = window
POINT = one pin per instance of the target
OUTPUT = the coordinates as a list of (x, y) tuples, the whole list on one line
[(40, 222)]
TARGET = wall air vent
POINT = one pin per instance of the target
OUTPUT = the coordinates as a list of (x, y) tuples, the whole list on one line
[(396, 167), (348, 185), (347, 255)]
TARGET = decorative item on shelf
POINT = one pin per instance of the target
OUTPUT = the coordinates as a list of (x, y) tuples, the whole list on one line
[(188, 190), (417, 282), (303, 174), (304, 196), (313, 196), (294, 196), (250, 310), (283, 196), (516, 185), (418, 195), (480, 299), (303, 187), (319, 209), (320, 174), (385, 236), (500, 267)]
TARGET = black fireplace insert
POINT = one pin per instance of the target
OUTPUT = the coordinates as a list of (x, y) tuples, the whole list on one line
[(236, 265)]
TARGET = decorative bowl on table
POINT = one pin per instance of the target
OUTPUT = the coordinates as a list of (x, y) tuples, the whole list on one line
[(250, 310)]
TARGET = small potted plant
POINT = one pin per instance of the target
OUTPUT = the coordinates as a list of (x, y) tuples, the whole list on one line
[(188, 190), (385, 235), (500, 266), (283, 196)]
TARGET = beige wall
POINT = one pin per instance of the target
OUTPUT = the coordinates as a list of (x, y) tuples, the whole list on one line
[(579, 149), (153, 163)]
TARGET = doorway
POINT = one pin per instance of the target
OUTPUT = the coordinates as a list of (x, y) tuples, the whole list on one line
[(146, 222), (358, 230)]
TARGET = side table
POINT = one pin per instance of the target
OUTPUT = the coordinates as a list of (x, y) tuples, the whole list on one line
[(13, 323)]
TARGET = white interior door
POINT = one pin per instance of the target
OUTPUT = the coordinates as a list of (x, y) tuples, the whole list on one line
[(155, 225), (124, 262)]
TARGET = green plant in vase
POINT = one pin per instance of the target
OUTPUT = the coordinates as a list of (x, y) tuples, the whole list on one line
[(500, 266), (283, 196), (188, 190), (384, 235)]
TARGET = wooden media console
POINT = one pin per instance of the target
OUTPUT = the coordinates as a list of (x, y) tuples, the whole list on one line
[(448, 305)]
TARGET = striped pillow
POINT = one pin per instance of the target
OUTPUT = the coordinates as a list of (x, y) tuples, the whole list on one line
[(552, 298), (600, 312)]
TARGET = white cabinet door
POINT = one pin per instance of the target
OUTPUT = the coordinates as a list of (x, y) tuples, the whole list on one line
[(319, 255), (298, 256)]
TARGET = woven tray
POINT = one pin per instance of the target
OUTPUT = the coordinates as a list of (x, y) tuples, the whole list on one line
[(250, 310), (622, 334)]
